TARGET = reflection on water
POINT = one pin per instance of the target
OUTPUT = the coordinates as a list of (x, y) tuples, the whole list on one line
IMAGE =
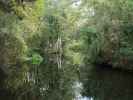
[(78, 89), (85, 98), (107, 84)]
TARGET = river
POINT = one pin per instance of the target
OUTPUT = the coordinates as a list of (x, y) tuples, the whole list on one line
[(101, 83)]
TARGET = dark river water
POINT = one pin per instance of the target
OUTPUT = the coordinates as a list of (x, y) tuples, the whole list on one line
[(97, 83), (107, 84)]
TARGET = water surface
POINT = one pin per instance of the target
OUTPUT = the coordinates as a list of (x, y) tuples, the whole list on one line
[(107, 84)]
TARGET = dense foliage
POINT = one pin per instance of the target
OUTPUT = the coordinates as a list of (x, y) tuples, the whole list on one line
[(45, 44)]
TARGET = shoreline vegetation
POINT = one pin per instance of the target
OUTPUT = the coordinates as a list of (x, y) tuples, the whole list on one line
[(47, 45)]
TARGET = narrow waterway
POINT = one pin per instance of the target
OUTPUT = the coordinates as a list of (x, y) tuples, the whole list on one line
[(107, 84)]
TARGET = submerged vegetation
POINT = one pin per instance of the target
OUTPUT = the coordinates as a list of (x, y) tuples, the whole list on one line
[(46, 45)]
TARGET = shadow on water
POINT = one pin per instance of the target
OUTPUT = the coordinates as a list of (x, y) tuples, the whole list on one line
[(105, 83), (5, 94)]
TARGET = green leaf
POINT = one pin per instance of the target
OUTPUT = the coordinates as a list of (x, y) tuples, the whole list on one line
[(36, 59)]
